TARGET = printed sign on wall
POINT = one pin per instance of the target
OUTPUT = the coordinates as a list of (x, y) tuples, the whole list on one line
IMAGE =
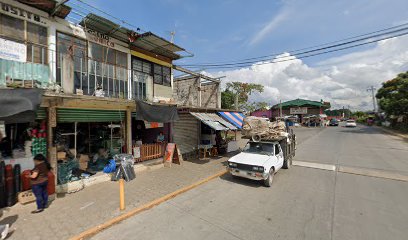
[(299, 110), (14, 51)]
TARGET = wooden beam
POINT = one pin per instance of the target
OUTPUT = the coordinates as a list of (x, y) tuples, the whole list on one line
[(185, 70), (52, 150), (129, 130)]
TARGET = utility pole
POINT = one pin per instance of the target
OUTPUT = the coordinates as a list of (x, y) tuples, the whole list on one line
[(372, 89), (236, 100), (280, 108)]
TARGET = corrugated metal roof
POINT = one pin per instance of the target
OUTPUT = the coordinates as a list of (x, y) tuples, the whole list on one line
[(147, 41), (302, 103), (50, 6), (222, 121), (210, 121)]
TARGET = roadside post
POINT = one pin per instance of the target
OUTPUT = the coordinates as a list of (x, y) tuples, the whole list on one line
[(124, 172), (122, 194)]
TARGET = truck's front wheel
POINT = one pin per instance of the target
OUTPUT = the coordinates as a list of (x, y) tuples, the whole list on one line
[(269, 180)]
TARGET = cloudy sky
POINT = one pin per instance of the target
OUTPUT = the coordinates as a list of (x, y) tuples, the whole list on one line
[(229, 30)]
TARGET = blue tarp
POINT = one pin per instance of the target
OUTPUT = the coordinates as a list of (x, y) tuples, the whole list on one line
[(235, 118)]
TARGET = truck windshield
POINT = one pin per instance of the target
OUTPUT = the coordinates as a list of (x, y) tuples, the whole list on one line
[(260, 148)]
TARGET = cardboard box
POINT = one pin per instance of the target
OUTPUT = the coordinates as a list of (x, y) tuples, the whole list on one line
[(83, 165), (26, 197), (61, 155), (83, 158)]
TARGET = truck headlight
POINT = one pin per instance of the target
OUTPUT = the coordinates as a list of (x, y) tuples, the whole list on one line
[(232, 165), (257, 169)]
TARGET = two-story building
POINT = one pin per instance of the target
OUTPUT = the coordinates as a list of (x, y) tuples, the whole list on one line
[(89, 75)]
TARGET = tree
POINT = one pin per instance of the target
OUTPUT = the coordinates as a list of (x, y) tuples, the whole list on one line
[(359, 114), (242, 89), (252, 106), (227, 99), (393, 95)]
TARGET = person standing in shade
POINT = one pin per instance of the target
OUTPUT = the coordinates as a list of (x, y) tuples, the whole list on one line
[(39, 182), (160, 137)]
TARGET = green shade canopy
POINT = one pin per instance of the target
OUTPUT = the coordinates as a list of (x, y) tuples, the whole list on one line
[(302, 103)]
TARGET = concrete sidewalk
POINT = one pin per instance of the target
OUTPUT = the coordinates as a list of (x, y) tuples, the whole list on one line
[(404, 136), (94, 205)]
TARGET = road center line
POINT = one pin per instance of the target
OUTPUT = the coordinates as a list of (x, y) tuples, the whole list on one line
[(374, 173), (354, 170), (322, 166)]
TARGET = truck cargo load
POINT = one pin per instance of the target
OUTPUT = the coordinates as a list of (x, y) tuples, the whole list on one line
[(261, 129)]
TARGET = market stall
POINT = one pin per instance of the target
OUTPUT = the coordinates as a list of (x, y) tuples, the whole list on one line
[(202, 132), (152, 129), (86, 139)]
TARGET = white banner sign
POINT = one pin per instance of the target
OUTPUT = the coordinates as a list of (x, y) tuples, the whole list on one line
[(299, 110), (14, 51)]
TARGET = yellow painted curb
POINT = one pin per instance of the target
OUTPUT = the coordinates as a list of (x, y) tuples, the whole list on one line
[(92, 231)]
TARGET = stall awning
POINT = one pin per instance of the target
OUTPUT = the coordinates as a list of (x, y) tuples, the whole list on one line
[(19, 105), (89, 115), (209, 121), (156, 113), (222, 121), (235, 118)]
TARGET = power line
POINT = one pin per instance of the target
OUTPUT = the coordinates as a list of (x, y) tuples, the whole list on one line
[(301, 53), (291, 58), (302, 49), (106, 13)]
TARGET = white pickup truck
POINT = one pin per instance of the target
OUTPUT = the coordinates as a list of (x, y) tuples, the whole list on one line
[(261, 160)]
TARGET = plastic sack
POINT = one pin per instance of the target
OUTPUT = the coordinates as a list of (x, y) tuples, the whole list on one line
[(125, 170), (110, 167)]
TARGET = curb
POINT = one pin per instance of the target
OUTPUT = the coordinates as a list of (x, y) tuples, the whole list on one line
[(92, 231), (393, 133)]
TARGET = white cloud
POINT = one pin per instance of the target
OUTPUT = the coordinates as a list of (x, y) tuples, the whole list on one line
[(341, 80)]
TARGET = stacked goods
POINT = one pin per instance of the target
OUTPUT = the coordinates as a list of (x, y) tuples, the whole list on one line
[(258, 129), (51, 183), (3, 199), (64, 174), (17, 178), (39, 143), (25, 180), (10, 191)]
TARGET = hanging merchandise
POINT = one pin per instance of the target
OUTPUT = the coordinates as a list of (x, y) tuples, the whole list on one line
[(39, 141)]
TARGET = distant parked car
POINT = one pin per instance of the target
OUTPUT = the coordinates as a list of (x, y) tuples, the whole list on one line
[(333, 122), (351, 123)]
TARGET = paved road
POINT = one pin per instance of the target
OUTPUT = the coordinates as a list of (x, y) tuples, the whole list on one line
[(303, 203)]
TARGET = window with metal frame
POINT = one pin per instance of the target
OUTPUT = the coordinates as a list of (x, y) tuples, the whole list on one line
[(108, 70), (162, 75), (33, 35), (70, 47), (141, 72)]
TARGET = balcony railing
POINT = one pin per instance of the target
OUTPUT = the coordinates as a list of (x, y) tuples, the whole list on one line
[(89, 77), (20, 74), (81, 76)]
